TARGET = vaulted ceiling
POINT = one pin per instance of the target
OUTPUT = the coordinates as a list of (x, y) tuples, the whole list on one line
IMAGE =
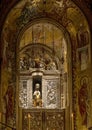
[(65, 13), (16, 16)]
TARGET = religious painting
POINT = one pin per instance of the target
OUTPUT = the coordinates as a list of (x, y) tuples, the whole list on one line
[(82, 99), (82, 37), (44, 33), (83, 58), (39, 59), (9, 101)]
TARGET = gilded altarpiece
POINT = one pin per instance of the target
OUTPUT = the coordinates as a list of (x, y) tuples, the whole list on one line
[(49, 114), (43, 119)]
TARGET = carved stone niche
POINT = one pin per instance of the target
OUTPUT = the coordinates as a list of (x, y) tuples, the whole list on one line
[(39, 90)]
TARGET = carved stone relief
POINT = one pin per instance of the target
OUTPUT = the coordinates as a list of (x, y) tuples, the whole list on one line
[(25, 92), (32, 120), (50, 91), (52, 120), (55, 121)]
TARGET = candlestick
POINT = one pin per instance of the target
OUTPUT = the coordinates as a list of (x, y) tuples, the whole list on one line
[(0, 116), (72, 116), (29, 117)]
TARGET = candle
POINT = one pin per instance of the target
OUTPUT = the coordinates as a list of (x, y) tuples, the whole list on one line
[(72, 121), (0, 116), (29, 117)]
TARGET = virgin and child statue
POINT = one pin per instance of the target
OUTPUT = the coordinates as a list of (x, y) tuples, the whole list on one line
[(37, 98)]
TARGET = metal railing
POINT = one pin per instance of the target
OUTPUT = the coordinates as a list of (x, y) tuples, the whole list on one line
[(7, 126)]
